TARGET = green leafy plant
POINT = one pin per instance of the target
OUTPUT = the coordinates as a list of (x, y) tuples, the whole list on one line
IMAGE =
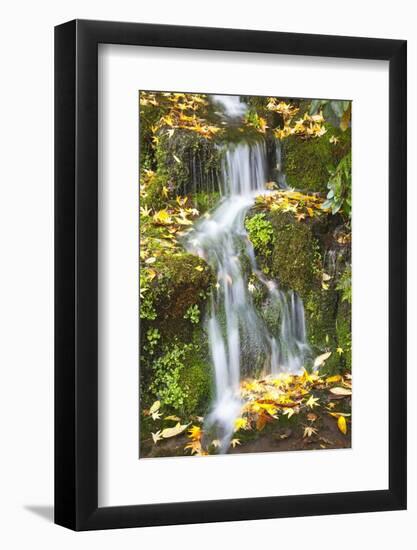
[(261, 233), (153, 336), (345, 285), (193, 314), (340, 187), (334, 111), (168, 375), (147, 309)]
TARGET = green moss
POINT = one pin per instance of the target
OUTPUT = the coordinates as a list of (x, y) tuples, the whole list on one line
[(307, 162), (296, 264), (205, 201), (149, 116), (321, 308), (183, 281), (188, 162), (180, 377), (295, 255), (154, 196), (196, 379), (344, 333)]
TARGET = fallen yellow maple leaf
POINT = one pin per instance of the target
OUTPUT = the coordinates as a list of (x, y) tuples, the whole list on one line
[(337, 414), (195, 433), (306, 377), (312, 402), (269, 408), (288, 412), (240, 423), (194, 446), (162, 216), (341, 424), (309, 431), (156, 436), (333, 379)]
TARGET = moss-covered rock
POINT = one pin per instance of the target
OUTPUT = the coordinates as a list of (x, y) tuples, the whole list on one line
[(306, 163), (344, 333), (296, 258), (183, 281), (196, 378), (175, 366), (180, 377), (296, 263), (188, 162), (321, 310)]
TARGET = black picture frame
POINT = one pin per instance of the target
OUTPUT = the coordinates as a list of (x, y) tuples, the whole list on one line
[(76, 272)]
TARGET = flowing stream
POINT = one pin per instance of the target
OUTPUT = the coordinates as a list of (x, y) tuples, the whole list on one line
[(239, 338)]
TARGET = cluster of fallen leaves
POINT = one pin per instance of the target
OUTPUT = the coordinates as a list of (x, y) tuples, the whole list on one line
[(189, 112), (160, 229), (301, 205), (308, 396), (270, 398), (308, 126), (181, 111), (155, 413)]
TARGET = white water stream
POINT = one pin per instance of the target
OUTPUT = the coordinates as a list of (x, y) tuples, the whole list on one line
[(239, 339)]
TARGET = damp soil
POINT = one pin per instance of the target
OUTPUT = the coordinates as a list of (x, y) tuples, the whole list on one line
[(287, 437)]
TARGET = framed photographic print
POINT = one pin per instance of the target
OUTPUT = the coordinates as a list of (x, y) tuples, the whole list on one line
[(230, 275)]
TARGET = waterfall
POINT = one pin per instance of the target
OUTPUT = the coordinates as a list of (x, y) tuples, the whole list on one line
[(238, 336), (280, 174), (232, 105)]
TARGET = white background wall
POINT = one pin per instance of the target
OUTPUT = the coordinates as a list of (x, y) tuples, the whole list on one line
[(26, 272)]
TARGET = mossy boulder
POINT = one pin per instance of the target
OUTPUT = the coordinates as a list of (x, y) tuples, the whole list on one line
[(180, 377), (183, 281), (188, 162), (321, 309), (296, 257), (296, 263), (307, 162), (196, 378), (177, 296)]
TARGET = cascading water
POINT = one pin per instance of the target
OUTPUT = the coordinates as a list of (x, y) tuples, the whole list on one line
[(238, 336), (232, 104), (280, 174)]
